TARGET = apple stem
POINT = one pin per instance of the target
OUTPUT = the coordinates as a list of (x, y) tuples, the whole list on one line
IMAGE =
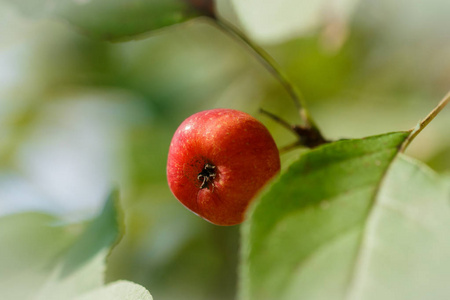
[(307, 136), (290, 147), (271, 65), (278, 120), (422, 124)]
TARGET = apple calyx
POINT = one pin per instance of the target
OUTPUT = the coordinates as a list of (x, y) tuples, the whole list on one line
[(207, 175)]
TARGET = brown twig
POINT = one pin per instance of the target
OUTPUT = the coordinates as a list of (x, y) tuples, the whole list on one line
[(419, 127)]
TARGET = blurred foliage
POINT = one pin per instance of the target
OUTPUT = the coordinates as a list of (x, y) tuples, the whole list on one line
[(116, 20), (79, 115), (119, 290), (277, 21), (65, 261)]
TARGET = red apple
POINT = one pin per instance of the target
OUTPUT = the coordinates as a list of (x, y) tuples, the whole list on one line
[(218, 161)]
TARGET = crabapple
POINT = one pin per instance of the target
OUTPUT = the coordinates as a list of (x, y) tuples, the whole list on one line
[(218, 161)]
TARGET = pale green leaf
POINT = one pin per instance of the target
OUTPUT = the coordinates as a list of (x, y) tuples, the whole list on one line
[(119, 290), (42, 259), (270, 21), (405, 246)]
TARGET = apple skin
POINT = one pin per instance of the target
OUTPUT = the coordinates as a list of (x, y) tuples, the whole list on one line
[(243, 152)]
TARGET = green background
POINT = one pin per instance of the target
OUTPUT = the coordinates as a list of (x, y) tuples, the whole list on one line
[(80, 116)]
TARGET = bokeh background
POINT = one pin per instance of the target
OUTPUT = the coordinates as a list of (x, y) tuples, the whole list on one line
[(79, 117)]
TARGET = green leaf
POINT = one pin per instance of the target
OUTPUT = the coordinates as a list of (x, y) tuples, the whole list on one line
[(403, 253), (118, 19), (347, 221), (44, 260), (119, 290)]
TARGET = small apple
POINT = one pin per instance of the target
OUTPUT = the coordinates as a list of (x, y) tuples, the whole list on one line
[(218, 161)]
